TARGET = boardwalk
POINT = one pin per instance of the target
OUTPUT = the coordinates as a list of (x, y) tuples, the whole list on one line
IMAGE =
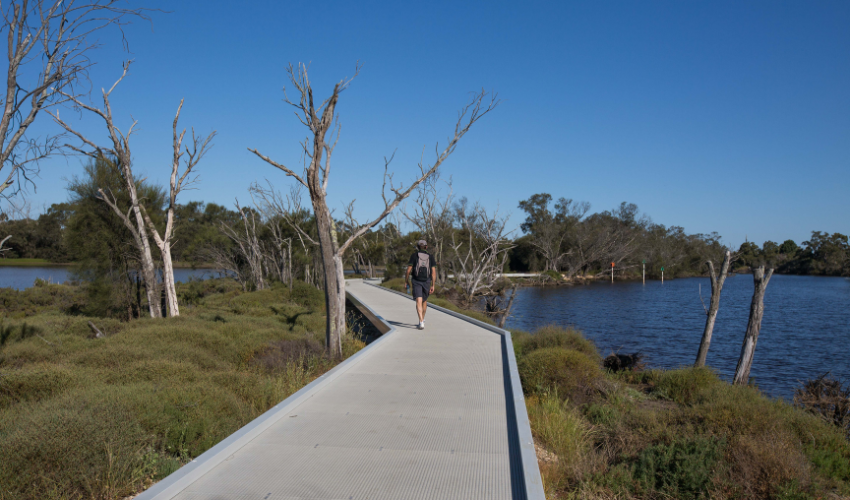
[(416, 415)]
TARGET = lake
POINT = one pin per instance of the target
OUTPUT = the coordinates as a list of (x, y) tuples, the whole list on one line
[(805, 331), (20, 278)]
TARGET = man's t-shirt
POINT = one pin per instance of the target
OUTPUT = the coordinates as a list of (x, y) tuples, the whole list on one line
[(414, 261)]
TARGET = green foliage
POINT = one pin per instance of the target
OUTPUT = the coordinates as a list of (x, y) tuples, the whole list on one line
[(552, 275), (684, 385), (674, 434), (553, 336), (557, 369), (682, 469), (98, 418), (46, 297)]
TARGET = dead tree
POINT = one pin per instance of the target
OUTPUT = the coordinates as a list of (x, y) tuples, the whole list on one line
[(713, 305), (248, 244), (49, 43), (277, 208), (176, 184), (321, 120), (3, 243), (480, 249), (132, 217), (228, 261), (748, 349)]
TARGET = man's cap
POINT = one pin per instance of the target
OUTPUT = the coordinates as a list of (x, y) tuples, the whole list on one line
[(422, 243)]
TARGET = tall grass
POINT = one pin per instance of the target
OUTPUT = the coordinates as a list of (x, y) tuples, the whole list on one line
[(103, 418)]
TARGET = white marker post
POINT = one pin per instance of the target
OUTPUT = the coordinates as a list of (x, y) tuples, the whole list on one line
[(662, 275), (612, 272), (644, 271)]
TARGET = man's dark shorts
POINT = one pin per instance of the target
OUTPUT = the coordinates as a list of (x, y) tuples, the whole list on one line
[(421, 289)]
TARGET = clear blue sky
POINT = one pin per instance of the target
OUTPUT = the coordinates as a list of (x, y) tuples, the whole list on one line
[(717, 116)]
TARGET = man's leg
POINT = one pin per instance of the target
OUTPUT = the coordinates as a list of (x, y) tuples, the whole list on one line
[(424, 308), (420, 309)]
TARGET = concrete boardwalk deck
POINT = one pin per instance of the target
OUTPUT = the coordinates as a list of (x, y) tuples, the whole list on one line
[(416, 415)]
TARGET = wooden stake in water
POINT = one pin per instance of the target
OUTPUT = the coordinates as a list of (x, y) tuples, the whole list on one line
[(612, 272), (662, 275), (644, 271)]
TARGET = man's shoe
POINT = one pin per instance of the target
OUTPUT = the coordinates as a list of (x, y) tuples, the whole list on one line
[(421, 325)]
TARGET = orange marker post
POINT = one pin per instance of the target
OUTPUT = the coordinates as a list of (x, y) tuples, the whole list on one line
[(612, 272)]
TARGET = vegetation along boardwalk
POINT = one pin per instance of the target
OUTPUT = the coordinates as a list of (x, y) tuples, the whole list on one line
[(433, 414)]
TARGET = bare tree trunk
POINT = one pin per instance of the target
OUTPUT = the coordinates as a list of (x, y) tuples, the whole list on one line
[(176, 184), (748, 349), (334, 278), (507, 313), (713, 306), (168, 283)]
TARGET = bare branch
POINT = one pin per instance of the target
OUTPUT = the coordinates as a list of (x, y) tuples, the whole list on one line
[(278, 165)]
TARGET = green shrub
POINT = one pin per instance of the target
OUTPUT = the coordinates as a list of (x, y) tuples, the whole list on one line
[(684, 385), (98, 418), (553, 275), (396, 284), (602, 414), (557, 369), (553, 336), (308, 296), (682, 469)]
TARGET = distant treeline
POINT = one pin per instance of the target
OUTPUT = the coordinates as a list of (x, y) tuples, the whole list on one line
[(561, 236)]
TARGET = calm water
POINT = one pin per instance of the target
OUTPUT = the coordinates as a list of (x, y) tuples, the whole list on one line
[(805, 331), (20, 278)]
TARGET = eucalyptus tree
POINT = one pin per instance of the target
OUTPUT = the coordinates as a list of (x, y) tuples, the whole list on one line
[(321, 120), (134, 216)]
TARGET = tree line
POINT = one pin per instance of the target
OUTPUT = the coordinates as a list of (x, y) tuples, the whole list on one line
[(563, 236)]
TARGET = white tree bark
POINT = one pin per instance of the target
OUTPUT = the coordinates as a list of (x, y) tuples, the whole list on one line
[(320, 121), (748, 349), (713, 307), (176, 184)]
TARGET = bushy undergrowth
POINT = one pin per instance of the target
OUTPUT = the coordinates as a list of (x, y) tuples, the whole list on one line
[(101, 418), (671, 434), (558, 369)]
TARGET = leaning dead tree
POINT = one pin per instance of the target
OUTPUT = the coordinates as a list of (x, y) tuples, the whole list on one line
[(49, 43), (177, 183), (320, 121), (713, 305), (748, 349), (120, 155)]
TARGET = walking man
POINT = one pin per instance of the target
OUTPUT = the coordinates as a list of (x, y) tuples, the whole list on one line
[(422, 272)]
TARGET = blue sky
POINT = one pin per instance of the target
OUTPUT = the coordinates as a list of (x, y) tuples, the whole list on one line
[(716, 116)]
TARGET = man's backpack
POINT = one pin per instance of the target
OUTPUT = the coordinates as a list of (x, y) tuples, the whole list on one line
[(422, 270)]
